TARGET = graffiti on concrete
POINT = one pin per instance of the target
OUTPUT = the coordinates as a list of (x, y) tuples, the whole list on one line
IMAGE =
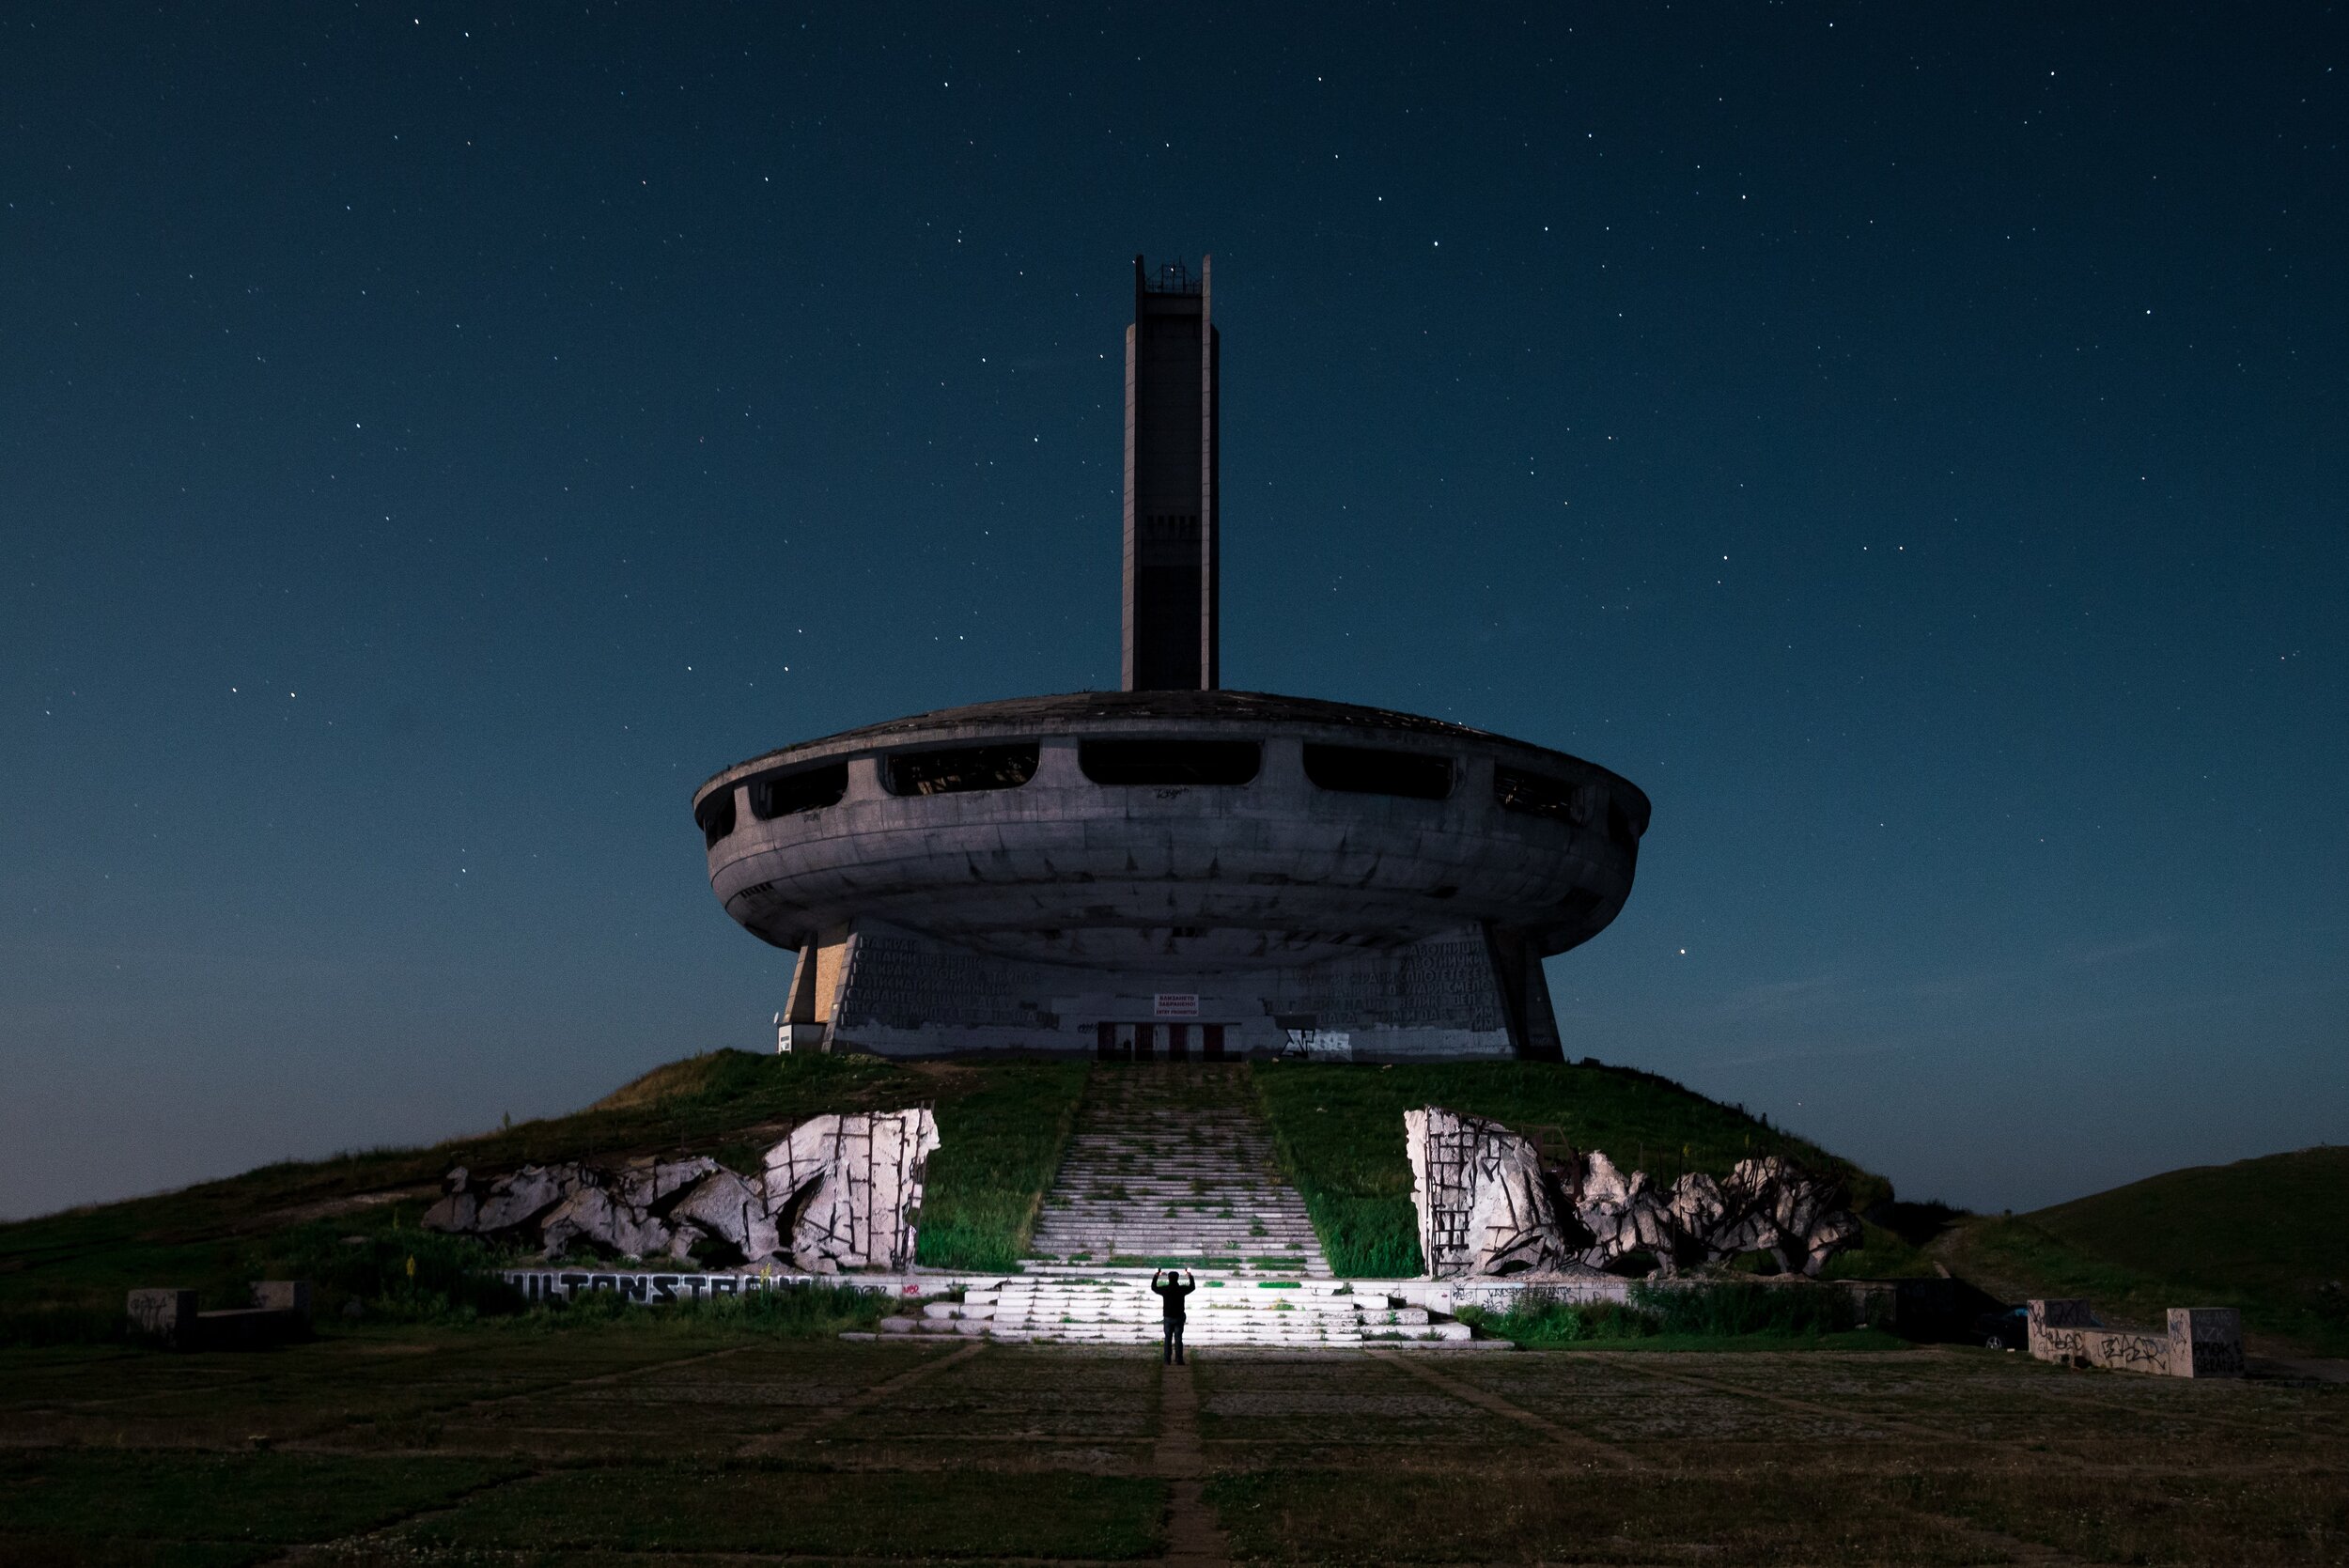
[(647, 1289), (2199, 1342)]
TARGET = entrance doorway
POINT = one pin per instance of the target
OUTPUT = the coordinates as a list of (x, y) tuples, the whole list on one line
[(1140, 1042), (1125, 1042)]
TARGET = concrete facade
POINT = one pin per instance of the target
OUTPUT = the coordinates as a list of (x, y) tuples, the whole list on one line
[(1031, 904), (1171, 869)]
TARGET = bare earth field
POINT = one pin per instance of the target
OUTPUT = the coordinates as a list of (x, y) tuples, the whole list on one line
[(615, 1443)]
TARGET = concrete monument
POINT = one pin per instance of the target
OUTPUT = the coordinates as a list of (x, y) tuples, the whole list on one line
[(841, 1192), (1171, 869), (1491, 1205)]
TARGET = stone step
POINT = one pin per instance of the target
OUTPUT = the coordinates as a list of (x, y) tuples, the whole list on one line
[(1172, 1161)]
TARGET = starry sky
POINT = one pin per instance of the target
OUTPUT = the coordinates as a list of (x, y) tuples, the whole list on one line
[(1908, 441)]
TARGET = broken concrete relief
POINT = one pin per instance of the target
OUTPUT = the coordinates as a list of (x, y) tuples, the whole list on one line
[(840, 1192), (526, 1197), (850, 1187), (1489, 1204), (730, 1211)]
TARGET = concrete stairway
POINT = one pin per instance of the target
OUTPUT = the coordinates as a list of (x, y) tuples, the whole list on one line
[(1174, 1161), (1115, 1307)]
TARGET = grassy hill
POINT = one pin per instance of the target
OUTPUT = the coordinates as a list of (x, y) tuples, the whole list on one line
[(348, 1223), (2267, 1235), (1340, 1131), (63, 1276)]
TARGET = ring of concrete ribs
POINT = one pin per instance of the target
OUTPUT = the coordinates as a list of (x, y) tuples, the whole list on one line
[(1176, 828)]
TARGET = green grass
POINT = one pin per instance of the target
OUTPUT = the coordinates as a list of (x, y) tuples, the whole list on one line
[(998, 1146), (1339, 1128), (638, 1438), (1882, 1254), (2265, 1236), (63, 1276), (76, 1505), (1728, 1316), (784, 1508)]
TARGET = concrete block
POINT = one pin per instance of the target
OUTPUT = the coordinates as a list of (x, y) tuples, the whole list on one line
[(2065, 1331), (282, 1296), (247, 1329), (2206, 1341), (167, 1315)]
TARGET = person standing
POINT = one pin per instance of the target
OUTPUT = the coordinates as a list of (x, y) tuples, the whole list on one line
[(1171, 1294)]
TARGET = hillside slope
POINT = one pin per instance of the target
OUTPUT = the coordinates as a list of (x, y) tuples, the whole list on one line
[(350, 1222), (1340, 1130), (2266, 1235), (1001, 1128)]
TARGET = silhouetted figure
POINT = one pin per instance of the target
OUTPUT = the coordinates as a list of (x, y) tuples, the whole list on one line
[(1171, 1293)]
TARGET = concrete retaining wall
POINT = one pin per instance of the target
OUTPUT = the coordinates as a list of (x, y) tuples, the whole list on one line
[(2199, 1342), (654, 1288)]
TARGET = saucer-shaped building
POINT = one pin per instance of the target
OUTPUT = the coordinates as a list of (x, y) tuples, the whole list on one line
[(1171, 869)]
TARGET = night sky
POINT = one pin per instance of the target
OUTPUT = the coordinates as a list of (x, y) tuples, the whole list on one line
[(1908, 441)]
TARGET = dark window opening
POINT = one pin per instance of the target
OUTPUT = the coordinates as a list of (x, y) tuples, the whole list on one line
[(965, 768), (716, 815), (1170, 762), (1362, 770), (1539, 795), (810, 789)]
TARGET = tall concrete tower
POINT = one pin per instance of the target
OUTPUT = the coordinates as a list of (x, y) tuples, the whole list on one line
[(1170, 420)]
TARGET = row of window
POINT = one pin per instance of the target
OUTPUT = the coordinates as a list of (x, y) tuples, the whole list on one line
[(1163, 764)]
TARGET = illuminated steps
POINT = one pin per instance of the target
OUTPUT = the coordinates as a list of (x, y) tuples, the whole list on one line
[(1116, 1306), (1172, 1160)]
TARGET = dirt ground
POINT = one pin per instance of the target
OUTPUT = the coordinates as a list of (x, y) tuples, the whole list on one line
[(619, 1444)]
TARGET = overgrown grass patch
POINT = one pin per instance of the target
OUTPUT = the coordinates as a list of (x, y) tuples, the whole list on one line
[(2018, 1257), (72, 1499), (1882, 1254), (1339, 1129), (2263, 1236), (1769, 1513), (63, 1276), (1725, 1315), (799, 1508), (998, 1146), (2287, 1515)]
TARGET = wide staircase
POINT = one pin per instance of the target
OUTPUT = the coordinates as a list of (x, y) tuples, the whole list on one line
[(1172, 1165), (1172, 1162), (1114, 1307), (1118, 1309)]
